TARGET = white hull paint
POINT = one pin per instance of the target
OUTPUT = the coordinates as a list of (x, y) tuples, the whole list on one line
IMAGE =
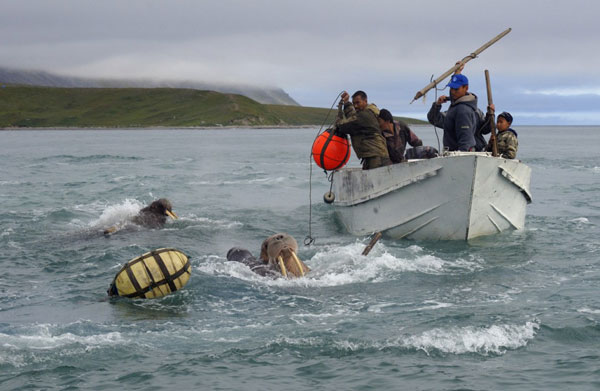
[(456, 197)]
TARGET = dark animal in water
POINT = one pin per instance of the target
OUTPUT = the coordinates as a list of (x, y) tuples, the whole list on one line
[(277, 257), (152, 216), (155, 214)]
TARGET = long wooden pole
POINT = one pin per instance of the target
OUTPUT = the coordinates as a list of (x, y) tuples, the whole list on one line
[(492, 114), (459, 64), (374, 240)]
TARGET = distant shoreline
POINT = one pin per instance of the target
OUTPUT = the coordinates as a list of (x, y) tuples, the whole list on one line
[(28, 107), (9, 129), (250, 127)]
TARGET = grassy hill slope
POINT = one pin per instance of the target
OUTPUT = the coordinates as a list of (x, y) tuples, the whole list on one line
[(25, 106)]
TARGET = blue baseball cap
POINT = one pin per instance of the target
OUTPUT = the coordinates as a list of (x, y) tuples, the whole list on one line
[(458, 81)]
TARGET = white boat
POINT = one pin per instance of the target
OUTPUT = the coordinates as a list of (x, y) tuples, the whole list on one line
[(459, 196)]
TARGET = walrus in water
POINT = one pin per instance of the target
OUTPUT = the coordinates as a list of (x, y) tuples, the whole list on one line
[(152, 216), (277, 257), (155, 214)]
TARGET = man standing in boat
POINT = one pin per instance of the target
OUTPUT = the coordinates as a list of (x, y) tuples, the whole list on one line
[(359, 120), (461, 121)]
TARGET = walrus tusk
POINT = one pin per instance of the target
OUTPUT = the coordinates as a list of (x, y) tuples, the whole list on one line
[(298, 263), (171, 214), (282, 266)]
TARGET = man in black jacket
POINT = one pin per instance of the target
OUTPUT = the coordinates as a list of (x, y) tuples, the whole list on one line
[(461, 121)]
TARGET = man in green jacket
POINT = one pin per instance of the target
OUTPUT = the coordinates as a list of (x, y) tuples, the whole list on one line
[(360, 121)]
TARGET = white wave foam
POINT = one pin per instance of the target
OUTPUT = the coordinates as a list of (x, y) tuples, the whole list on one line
[(123, 178), (201, 183), (44, 336), (580, 220), (221, 224), (586, 310), (377, 308), (20, 349), (92, 207), (266, 181), (495, 339), (253, 181), (433, 305), (337, 313), (49, 341), (414, 249), (115, 214), (342, 265), (13, 244), (214, 265), (11, 183)]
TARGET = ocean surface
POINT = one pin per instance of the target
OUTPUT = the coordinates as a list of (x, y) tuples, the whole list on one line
[(515, 311)]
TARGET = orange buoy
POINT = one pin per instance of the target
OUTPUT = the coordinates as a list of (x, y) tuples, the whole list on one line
[(330, 151)]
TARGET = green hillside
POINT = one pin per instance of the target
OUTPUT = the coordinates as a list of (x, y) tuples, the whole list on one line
[(25, 106)]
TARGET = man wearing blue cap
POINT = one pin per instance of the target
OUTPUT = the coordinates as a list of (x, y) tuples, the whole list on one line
[(462, 119)]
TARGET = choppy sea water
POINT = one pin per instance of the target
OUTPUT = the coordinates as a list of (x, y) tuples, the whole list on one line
[(516, 311)]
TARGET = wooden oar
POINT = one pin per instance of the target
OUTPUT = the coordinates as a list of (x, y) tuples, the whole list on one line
[(492, 114), (374, 240)]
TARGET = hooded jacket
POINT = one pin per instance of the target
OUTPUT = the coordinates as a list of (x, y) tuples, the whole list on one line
[(460, 123), (363, 128)]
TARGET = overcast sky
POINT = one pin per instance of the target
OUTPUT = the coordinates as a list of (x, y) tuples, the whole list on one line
[(546, 71)]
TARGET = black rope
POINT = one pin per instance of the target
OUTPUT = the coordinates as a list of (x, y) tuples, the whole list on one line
[(330, 179), (434, 127), (308, 240)]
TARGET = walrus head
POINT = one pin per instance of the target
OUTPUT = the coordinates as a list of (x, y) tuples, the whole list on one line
[(155, 214), (161, 207), (151, 216), (279, 251)]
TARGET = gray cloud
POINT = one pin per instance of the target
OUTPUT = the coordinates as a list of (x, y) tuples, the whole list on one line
[(312, 49)]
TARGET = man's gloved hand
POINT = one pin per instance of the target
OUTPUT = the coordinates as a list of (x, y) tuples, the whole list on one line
[(442, 99), (338, 132), (345, 97)]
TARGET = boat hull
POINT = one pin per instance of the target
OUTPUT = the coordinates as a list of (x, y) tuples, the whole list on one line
[(457, 197)]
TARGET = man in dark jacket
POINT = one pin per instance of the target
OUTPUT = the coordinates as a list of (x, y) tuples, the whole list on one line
[(461, 121), (396, 134), (360, 122)]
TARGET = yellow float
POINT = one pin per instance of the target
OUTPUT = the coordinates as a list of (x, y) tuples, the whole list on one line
[(153, 274)]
